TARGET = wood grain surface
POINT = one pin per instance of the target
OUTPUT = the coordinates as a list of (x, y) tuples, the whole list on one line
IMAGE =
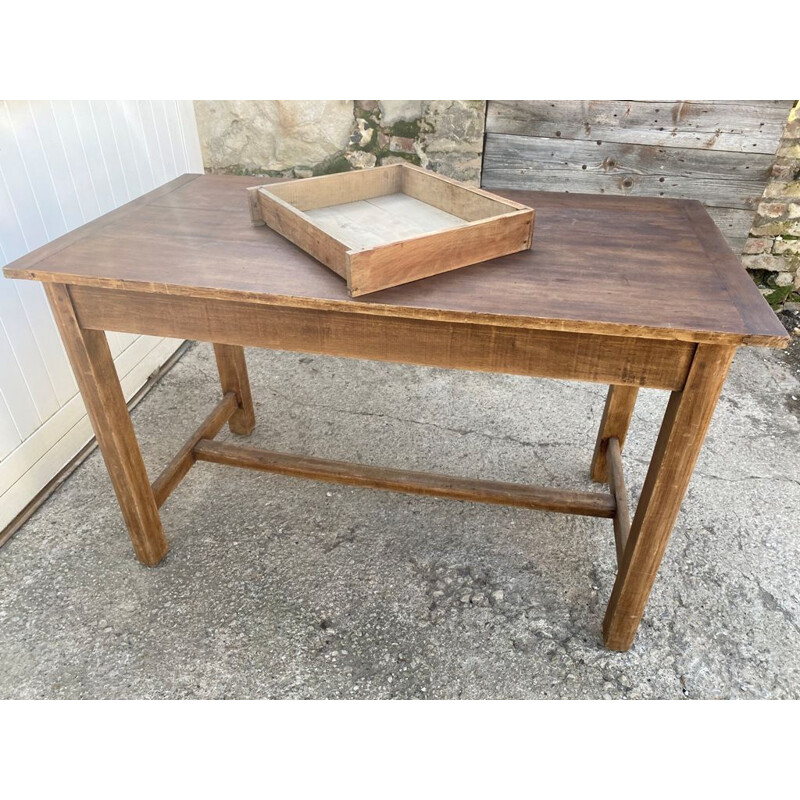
[(680, 439), (658, 363), (184, 459), (592, 504), (233, 377), (616, 479), (617, 414), (440, 252), (644, 267), (97, 379)]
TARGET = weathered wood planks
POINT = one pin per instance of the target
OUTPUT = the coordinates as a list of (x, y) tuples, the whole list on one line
[(734, 223), (743, 126), (718, 152), (730, 180)]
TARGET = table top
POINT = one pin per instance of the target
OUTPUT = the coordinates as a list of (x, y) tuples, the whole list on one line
[(632, 266)]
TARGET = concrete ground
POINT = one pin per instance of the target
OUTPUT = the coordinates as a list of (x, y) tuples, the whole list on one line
[(282, 588)]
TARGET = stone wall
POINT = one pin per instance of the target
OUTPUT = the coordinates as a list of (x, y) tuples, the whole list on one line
[(772, 252), (300, 138)]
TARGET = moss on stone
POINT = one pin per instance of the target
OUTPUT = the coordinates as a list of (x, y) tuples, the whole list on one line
[(337, 163), (781, 295), (253, 172), (404, 129), (412, 157)]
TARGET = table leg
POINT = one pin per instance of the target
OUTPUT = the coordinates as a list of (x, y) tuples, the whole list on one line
[(101, 391), (233, 377), (616, 418), (682, 432)]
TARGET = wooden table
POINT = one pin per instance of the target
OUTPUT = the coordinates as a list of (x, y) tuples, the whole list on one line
[(624, 291)]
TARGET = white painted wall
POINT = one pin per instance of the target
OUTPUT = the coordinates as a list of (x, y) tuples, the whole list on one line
[(62, 164)]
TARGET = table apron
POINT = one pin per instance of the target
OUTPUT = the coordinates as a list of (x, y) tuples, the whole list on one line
[(656, 363)]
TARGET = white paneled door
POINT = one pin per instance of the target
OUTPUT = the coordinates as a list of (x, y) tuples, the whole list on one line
[(62, 164)]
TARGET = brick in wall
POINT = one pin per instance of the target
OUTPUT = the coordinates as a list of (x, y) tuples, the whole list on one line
[(772, 251)]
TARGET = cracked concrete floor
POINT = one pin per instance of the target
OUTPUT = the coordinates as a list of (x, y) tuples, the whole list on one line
[(277, 587)]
